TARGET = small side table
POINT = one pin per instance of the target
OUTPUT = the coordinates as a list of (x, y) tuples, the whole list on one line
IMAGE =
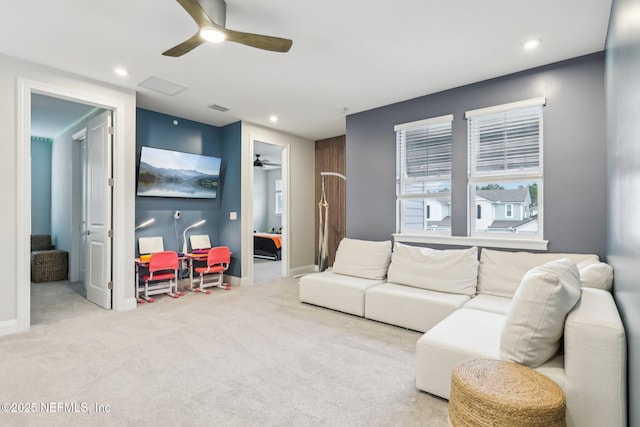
[(500, 393)]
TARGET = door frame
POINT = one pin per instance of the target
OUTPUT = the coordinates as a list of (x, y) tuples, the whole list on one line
[(122, 240), (286, 215)]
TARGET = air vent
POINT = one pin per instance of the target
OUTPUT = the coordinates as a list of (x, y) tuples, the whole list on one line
[(164, 87), (218, 108)]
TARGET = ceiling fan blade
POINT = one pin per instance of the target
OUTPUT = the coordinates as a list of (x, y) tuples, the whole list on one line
[(275, 44), (186, 46), (198, 14)]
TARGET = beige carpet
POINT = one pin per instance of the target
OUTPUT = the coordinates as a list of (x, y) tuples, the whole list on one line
[(250, 356)]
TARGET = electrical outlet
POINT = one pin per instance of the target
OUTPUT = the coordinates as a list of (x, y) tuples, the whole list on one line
[(176, 215)]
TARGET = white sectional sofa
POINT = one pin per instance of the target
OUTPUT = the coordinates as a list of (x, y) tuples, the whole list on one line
[(552, 312)]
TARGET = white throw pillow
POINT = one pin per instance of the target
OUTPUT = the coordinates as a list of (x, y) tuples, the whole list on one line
[(501, 272), (535, 321), (596, 275), (454, 271), (363, 258)]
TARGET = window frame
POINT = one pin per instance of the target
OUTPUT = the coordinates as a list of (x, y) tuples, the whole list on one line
[(402, 196), (528, 175)]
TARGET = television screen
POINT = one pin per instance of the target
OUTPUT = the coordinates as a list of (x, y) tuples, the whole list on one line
[(165, 173)]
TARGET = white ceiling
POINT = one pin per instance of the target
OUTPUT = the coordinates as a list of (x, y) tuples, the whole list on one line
[(348, 54)]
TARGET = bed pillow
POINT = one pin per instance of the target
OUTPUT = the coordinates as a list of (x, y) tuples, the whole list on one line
[(454, 270), (535, 321), (363, 258), (596, 275)]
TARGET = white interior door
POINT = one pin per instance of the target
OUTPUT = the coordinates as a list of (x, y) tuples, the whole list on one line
[(98, 215)]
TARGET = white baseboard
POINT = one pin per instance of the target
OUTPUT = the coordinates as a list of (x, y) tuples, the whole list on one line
[(9, 327), (301, 271)]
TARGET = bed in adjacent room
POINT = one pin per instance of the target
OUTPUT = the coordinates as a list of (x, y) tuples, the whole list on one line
[(267, 245)]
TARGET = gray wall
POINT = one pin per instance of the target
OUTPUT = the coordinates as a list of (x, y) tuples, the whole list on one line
[(574, 149), (623, 181), (41, 186)]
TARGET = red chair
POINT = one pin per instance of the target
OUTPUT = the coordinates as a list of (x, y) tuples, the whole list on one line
[(163, 272), (218, 260)]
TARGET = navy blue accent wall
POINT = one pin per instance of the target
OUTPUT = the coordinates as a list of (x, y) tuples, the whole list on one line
[(574, 148), (623, 180), (230, 197), (159, 131)]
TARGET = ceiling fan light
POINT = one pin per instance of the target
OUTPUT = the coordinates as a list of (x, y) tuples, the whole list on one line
[(212, 35)]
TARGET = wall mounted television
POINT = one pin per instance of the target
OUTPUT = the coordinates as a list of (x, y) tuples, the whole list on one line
[(165, 173)]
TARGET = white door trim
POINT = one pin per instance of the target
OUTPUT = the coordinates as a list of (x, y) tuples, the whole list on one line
[(247, 207), (25, 87)]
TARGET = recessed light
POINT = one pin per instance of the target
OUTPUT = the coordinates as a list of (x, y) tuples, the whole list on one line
[(532, 44), (121, 71), (273, 118)]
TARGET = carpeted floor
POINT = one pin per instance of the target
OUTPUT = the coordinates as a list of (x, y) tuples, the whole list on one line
[(250, 356), (265, 270)]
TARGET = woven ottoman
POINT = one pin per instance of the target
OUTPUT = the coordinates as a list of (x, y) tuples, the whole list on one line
[(500, 393)]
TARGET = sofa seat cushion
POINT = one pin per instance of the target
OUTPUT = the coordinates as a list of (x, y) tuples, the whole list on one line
[(363, 258), (490, 303), (409, 307), (466, 334), (501, 272), (336, 291), (453, 270)]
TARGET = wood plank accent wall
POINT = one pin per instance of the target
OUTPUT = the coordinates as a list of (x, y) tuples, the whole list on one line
[(331, 157)]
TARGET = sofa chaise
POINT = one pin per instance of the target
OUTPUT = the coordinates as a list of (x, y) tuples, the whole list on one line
[(552, 312)]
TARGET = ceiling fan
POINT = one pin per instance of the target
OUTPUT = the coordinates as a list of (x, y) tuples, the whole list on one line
[(210, 15), (261, 163)]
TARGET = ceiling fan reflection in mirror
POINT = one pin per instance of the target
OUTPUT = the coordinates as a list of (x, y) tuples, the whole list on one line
[(211, 15)]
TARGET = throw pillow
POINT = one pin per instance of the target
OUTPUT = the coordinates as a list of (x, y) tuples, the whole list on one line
[(596, 275), (363, 258), (535, 321), (454, 270)]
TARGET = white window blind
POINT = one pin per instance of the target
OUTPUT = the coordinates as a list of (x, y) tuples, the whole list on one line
[(506, 143), (424, 156)]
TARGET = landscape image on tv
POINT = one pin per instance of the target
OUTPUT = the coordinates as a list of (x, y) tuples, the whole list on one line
[(165, 173)]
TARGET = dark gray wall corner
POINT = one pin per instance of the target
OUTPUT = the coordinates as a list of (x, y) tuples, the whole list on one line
[(623, 185), (574, 147)]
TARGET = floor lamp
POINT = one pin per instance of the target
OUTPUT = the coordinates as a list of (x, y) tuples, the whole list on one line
[(323, 229)]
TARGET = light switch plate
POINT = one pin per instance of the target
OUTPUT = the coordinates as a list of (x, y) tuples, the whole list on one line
[(233, 216)]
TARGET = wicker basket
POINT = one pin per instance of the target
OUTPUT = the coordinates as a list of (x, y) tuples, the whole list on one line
[(500, 393)]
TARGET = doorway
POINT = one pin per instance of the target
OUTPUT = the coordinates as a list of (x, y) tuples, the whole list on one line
[(269, 214), (121, 268), (58, 136), (69, 150)]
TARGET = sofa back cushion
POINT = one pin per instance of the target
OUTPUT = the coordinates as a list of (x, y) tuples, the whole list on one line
[(363, 258), (501, 272), (535, 320), (453, 271)]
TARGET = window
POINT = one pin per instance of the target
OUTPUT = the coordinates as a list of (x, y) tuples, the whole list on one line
[(479, 212), (505, 169), (423, 175), (508, 210), (278, 193)]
